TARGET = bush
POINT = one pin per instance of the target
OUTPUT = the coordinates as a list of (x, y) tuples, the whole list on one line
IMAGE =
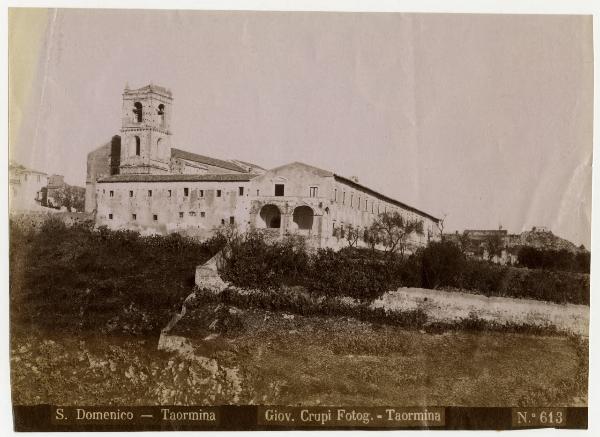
[(442, 263), (74, 278), (548, 259), (249, 261)]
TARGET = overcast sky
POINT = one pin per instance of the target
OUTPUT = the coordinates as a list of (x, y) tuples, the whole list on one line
[(485, 118)]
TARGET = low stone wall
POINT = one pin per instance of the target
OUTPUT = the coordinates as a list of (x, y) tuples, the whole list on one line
[(34, 220), (207, 275)]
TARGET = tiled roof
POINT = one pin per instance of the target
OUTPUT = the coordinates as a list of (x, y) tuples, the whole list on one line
[(222, 177), (21, 168), (384, 197), (178, 153)]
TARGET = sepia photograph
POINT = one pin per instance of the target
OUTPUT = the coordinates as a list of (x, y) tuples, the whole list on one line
[(298, 220)]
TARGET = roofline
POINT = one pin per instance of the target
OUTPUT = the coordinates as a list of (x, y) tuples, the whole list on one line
[(384, 197), (223, 177)]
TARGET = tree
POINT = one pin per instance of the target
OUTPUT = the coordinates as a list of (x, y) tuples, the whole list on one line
[(352, 236), (440, 225), (494, 246), (392, 231)]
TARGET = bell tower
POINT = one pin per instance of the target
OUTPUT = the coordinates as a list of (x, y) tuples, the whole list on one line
[(146, 130)]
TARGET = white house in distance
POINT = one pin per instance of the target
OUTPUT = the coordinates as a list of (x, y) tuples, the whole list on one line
[(25, 187), (139, 181)]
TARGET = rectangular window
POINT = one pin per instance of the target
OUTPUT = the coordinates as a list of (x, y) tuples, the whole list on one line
[(186, 192), (154, 217), (335, 194), (130, 193), (314, 191), (180, 214), (149, 193), (201, 193), (241, 191), (222, 221), (231, 220), (133, 217), (110, 216), (343, 198), (358, 206), (192, 213), (111, 193), (218, 193), (169, 193), (257, 192), (279, 190), (202, 214), (351, 200)]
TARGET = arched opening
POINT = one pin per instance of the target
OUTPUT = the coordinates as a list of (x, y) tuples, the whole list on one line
[(271, 216), (137, 111), (158, 148), (161, 113), (138, 146), (303, 217)]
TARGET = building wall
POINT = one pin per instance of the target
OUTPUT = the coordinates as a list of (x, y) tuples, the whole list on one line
[(98, 165), (336, 206), (203, 212), (25, 189)]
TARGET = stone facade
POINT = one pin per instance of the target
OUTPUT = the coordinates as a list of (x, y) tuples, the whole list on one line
[(159, 189), (25, 188)]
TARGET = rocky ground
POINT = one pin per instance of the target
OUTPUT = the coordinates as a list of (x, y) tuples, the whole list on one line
[(251, 356)]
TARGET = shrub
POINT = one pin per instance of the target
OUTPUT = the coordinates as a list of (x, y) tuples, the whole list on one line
[(252, 262), (75, 278), (442, 263), (548, 259)]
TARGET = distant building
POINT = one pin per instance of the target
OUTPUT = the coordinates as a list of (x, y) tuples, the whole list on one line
[(58, 194), (498, 246), (25, 187), (140, 181)]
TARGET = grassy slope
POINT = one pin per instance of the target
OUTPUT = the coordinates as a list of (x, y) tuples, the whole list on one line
[(86, 310)]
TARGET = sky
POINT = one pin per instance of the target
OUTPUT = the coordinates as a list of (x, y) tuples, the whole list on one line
[(483, 119)]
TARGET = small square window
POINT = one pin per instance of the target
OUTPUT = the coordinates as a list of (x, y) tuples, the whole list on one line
[(112, 193), (149, 193), (241, 191), (130, 193), (110, 216), (202, 214), (186, 192), (218, 193), (279, 189), (181, 215), (154, 217), (192, 213), (201, 193), (133, 217)]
